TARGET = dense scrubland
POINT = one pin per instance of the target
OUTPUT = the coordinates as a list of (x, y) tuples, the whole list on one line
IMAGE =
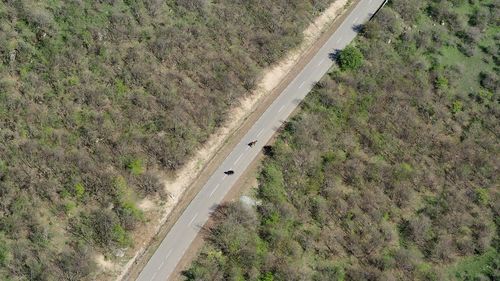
[(391, 169), (95, 96)]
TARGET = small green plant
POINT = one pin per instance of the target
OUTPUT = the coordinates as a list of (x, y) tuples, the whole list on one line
[(131, 209), (79, 190), (136, 166), (441, 83), (120, 87), (69, 208), (268, 276), (484, 96), (404, 171), (3, 167), (120, 236), (482, 196), (457, 107)]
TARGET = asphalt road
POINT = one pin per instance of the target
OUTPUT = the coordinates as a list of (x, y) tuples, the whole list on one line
[(172, 248)]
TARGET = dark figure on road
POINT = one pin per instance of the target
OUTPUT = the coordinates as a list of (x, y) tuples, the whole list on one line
[(229, 172), (252, 143)]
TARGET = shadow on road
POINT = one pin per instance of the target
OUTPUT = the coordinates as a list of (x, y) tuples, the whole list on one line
[(333, 56), (358, 27)]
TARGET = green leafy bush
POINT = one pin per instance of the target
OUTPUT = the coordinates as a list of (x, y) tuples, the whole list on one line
[(350, 58)]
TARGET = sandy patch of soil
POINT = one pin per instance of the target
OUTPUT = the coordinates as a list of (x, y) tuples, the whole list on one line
[(104, 264), (146, 204)]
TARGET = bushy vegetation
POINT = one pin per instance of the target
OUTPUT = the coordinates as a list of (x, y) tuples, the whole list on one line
[(97, 95), (350, 58), (390, 171)]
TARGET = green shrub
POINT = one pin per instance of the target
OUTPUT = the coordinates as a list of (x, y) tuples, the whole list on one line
[(271, 186), (268, 276), (69, 207), (136, 166), (350, 58), (482, 196), (79, 190), (457, 107), (120, 236)]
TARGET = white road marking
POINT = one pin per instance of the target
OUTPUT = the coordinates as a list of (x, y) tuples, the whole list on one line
[(153, 277), (241, 155), (193, 219), (262, 130), (248, 147), (338, 40), (168, 254), (161, 265), (213, 191), (321, 62), (224, 177), (302, 84), (281, 108)]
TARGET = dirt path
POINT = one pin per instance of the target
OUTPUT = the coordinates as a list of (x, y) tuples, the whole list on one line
[(160, 214)]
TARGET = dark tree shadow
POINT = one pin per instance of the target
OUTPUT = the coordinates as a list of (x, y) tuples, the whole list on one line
[(268, 150), (297, 101), (333, 56), (214, 208), (358, 27), (188, 274)]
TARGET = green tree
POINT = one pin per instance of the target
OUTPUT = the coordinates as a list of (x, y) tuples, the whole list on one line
[(350, 58)]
